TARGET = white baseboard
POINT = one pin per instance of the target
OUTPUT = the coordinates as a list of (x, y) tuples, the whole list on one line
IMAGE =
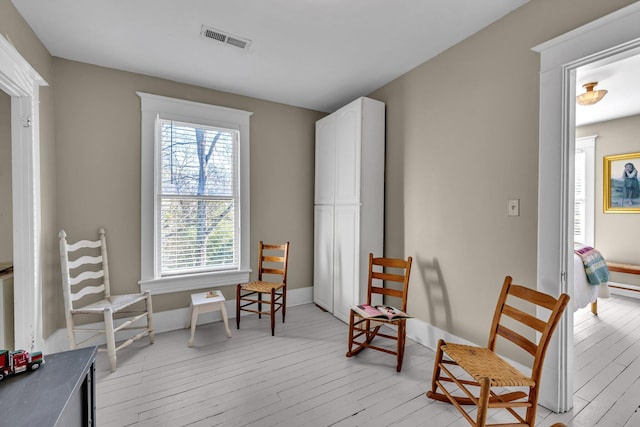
[(624, 290), (171, 320), (164, 321), (428, 335)]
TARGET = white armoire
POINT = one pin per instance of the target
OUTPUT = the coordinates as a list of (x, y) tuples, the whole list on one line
[(348, 203)]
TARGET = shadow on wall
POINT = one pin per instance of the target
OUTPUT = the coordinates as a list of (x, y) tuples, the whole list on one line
[(437, 297)]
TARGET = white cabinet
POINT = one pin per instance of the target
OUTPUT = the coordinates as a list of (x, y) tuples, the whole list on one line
[(323, 256), (346, 271), (325, 172), (349, 203)]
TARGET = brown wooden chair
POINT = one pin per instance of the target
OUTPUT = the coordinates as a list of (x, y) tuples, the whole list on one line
[(363, 330), (272, 260), (483, 369)]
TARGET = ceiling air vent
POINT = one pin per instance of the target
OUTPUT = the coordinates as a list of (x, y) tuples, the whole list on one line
[(226, 38)]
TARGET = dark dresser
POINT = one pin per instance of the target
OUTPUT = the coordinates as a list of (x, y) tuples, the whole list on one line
[(60, 393)]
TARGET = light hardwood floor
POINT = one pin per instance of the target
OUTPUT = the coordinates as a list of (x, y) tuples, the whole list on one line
[(301, 377)]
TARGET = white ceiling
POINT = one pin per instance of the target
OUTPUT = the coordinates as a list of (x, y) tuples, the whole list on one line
[(620, 76), (318, 54)]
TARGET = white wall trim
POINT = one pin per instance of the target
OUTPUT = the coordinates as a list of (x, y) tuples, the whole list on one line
[(22, 82), (626, 291), (152, 107), (428, 335), (610, 35), (418, 330), (171, 320), (192, 282)]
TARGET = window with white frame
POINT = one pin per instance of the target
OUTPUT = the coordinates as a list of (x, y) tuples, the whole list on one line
[(584, 203), (197, 197), (194, 195)]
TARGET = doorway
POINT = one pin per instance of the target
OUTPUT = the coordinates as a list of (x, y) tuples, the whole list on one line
[(614, 34), (21, 82), (6, 226), (614, 122)]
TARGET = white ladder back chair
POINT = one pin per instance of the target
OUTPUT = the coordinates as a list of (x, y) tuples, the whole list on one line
[(86, 288)]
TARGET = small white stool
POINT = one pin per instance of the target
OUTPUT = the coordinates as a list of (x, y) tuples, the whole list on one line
[(201, 303)]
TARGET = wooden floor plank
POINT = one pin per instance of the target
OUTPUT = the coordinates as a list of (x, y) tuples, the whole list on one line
[(301, 377)]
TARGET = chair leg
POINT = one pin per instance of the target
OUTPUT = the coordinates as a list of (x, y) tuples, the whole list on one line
[(402, 333), (352, 318), (238, 306), (150, 329), (483, 401), (433, 394), (366, 331), (530, 416), (111, 339), (259, 305), (273, 314), (284, 302), (71, 333)]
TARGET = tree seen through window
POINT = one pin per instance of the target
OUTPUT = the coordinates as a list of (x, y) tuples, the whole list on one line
[(198, 197)]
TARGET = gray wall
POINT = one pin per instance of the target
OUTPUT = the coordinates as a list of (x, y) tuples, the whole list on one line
[(617, 235), (462, 139), (98, 168), (90, 166), (16, 30)]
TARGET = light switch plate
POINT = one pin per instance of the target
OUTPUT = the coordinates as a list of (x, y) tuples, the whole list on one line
[(514, 207)]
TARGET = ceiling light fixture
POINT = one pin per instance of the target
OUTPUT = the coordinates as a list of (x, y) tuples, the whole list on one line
[(591, 96)]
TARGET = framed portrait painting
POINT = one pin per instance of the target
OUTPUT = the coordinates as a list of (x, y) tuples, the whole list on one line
[(621, 186)]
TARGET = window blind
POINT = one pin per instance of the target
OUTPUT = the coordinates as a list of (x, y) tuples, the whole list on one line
[(198, 197), (579, 217)]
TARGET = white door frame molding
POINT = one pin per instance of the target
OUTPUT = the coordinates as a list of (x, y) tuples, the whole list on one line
[(22, 83), (609, 37)]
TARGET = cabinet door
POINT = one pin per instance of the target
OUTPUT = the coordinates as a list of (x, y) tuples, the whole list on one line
[(348, 144), (346, 260), (323, 256), (325, 172)]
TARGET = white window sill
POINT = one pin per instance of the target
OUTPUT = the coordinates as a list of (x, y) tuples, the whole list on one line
[(192, 282)]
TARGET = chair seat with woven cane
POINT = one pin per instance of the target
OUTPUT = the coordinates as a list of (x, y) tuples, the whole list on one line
[(262, 287), (273, 260), (362, 329), (483, 378)]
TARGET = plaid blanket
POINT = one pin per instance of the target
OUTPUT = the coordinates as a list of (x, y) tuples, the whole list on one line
[(594, 264)]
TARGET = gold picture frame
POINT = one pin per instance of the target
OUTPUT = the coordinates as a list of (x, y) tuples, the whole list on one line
[(621, 194)]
